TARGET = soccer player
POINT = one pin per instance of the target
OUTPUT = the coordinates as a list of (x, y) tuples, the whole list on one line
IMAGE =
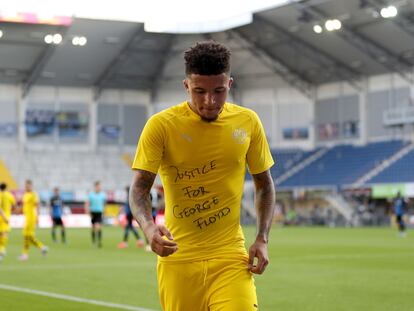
[(56, 213), (30, 210), (399, 210), (200, 148), (95, 205), (129, 226), (7, 202)]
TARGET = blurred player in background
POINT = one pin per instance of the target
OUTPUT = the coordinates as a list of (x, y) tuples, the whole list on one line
[(7, 203), (56, 206), (129, 226), (399, 210), (95, 205), (30, 211)]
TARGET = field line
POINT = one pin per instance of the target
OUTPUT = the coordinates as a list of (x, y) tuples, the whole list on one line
[(25, 266), (71, 298)]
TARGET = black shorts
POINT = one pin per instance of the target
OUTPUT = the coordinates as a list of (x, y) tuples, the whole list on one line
[(96, 218), (57, 221)]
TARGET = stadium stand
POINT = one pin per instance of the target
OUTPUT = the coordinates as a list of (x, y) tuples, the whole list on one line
[(286, 159), (338, 166), (343, 164), (400, 171), (71, 171)]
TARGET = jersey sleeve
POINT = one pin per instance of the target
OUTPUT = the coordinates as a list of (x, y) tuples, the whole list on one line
[(259, 157), (150, 147)]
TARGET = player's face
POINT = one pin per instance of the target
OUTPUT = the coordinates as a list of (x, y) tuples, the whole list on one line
[(28, 186), (97, 187), (208, 94)]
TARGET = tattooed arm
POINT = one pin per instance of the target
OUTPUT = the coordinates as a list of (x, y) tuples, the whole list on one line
[(264, 202), (141, 207)]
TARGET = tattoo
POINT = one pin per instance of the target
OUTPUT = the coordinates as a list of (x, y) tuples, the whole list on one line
[(264, 203), (139, 197)]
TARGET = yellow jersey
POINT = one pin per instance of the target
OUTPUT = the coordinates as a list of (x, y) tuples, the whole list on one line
[(7, 200), (202, 166), (30, 203)]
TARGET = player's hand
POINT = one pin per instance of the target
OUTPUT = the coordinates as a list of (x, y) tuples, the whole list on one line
[(159, 245), (258, 250)]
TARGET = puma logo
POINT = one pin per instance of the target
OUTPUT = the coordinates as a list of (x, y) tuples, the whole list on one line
[(255, 305)]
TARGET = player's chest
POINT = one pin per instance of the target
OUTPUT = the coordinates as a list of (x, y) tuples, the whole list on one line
[(29, 200), (224, 143)]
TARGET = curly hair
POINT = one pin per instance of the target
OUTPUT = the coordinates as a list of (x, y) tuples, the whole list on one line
[(207, 58)]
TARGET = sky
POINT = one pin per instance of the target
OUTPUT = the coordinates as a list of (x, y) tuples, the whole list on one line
[(158, 15)]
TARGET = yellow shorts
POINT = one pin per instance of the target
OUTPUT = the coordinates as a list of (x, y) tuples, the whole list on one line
[(211, 285), (4, 227)]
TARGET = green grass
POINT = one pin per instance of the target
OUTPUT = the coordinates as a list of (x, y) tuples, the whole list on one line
[(311, 269)]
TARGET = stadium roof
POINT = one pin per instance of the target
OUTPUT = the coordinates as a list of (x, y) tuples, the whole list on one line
[(179, 16), (279, 40)]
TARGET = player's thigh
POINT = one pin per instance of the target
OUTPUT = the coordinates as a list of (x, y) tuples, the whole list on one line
[(181, 286), (232, 286)]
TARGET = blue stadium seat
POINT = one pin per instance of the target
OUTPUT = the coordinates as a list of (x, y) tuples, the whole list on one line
[(343, 165), (400, 171)]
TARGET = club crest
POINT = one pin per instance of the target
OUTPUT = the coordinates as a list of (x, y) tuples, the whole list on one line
[(239, 135)]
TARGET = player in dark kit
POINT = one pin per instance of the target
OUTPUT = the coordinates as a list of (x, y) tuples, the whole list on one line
[(56, 205), (399, 210), (129, 226)]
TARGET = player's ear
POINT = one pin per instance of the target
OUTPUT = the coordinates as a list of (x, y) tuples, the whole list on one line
[(230, 82), (186, 86)]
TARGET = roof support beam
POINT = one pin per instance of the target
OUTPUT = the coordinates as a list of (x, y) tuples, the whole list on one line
[(271, 61), (404, 23), (116, 62), (164, 57), (317, 55), (128, 81), (39, 64), (377, 52)]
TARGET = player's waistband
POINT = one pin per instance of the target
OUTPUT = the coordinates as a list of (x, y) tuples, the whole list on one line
[(187, 253)]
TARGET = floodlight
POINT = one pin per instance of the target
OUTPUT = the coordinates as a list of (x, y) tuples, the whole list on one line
[(317, 28), (388, 12), (57, 38), (49, 39)]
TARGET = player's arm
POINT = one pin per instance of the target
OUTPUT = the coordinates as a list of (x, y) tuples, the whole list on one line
[(37, 203), (86, 206), (105, 202), (141, 207), (37, 206), (3, 215), (14, 207), (264, 203), (50, 206)]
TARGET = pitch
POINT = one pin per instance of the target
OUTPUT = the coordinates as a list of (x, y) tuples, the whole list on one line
[(311, 269)]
